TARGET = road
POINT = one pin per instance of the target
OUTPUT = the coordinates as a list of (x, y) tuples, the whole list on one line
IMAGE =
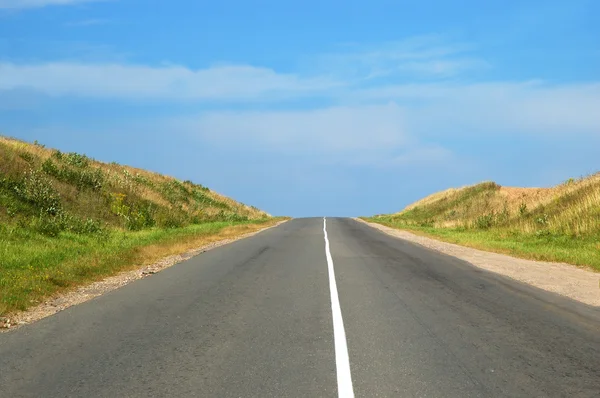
[(258, 318)]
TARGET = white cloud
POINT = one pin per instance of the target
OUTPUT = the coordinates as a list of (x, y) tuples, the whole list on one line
[(411, 125), (165, 83), (329, 130), (423, 109), (429, 56), (375, 136), (16, 4), (496, 108)]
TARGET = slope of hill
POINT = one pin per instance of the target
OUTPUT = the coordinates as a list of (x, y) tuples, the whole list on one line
[(52, 192), (66, 219), (561, 223)]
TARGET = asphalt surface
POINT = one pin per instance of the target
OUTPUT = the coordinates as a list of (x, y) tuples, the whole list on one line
[(254, 319)]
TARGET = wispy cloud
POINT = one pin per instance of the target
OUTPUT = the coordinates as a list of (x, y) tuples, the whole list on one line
[(235, 82), (422, 57), (18, 4), (411, 125), (366, 120), (531, 107), (334, 129), (430, 56), (376, 135)]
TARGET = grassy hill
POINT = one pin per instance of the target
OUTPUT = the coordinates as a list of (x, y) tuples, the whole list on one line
[(561, 223), (66, 219)]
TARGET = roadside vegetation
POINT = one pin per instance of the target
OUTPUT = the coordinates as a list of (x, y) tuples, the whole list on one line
[(560, 224), (66, 219)]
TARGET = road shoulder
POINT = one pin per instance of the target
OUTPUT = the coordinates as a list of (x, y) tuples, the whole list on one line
[(90, 291), (564, 279)]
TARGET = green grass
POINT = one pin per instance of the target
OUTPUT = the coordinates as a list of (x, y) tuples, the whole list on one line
[(558, 224), (67, 219), (34, 266), (581, 250), (55, 192)]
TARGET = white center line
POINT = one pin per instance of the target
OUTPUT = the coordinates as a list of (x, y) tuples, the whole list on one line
[(342, 360)]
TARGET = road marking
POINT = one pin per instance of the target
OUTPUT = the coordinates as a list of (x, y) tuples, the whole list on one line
[(342, 360)]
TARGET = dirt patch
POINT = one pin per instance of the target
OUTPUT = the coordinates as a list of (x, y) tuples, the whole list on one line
[(88, 292), (567, 280)]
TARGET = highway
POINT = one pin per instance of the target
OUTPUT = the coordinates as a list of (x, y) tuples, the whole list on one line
[(312, 309)]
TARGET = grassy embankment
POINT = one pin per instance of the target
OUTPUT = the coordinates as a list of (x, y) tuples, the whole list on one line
[(66, 220), (559, 224)]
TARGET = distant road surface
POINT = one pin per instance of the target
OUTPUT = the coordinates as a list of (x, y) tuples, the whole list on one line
[(291, 313)]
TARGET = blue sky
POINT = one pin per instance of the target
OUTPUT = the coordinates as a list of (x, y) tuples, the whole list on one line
[(336, 108)]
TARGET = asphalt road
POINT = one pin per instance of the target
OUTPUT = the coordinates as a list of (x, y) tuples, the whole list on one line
[(255, 318)]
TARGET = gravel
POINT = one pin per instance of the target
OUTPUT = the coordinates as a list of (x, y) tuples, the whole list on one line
[(567, 280)]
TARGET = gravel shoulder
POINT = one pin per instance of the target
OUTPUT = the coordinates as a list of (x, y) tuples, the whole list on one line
[(95, 289), (564, 279)]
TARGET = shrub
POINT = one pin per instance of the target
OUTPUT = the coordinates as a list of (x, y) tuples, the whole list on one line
[(77, 160), (201, 197), (451, 214), (172, 221), (504, 216), (88, 226), (50, 168), (175, 192), (135, 217), (140, 218), (91, 178), (52, 226), (485, 221), (427, 223), (47, 225), (81, 178), (38, 190), (140, 179)]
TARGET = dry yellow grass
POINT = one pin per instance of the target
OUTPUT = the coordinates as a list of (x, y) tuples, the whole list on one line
[(560, 223), (174, 200), (433, 198), (67, 220), (570, 208)]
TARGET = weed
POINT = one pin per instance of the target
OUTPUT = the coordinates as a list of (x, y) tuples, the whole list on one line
[(504, 216), (79, 176), (58, 155), (523, 209), (542, 220), (46, 226), (39, 191), (60, 211), (542, 233), (26, 156), (554, 224), (50, 168), (140, 179), (484, 222), (77, 160)]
